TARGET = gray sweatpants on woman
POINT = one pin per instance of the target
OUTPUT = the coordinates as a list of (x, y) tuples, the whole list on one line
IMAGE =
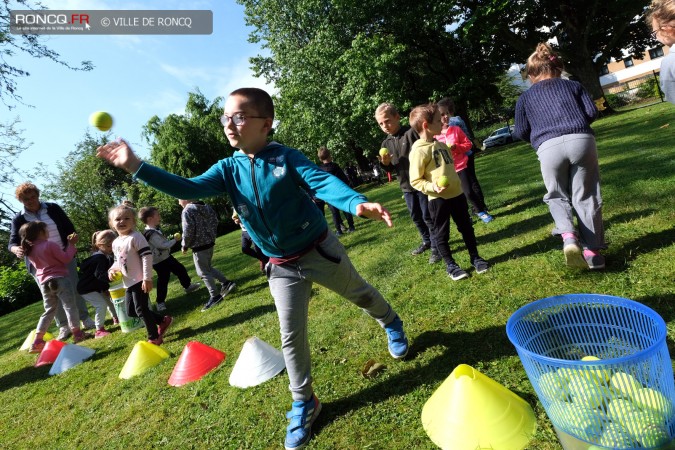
[(569, 166), (291, 286)]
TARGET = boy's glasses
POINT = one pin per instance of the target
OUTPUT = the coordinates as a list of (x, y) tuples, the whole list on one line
[(238, 119), (662, 28)]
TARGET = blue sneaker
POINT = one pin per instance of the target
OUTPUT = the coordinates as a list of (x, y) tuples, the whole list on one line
[(485, 217), (397, 340), (302, 415)]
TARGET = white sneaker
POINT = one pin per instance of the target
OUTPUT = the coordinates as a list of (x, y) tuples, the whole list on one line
[(193, 287), (161, 307)]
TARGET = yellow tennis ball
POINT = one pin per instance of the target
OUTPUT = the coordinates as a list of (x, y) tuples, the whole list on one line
[(177, 236), (443, 181), (101, 120), (384, 151)]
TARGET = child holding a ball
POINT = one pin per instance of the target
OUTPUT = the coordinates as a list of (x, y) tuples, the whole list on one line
[(93, 283), (162, 260), (133, 258), (432, 172), (268, 185)]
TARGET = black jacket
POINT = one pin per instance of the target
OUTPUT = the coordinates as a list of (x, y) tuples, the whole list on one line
[(399, 146), (94, 274)]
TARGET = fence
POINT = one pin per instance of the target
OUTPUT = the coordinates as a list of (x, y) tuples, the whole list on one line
[(638, 92)]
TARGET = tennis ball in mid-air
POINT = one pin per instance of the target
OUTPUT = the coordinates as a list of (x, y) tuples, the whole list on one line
[(177, 236), (384, 151), (101, 120), (442, 181)]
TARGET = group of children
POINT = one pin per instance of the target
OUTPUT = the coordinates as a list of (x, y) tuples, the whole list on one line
[(123, 251), (271, 188)]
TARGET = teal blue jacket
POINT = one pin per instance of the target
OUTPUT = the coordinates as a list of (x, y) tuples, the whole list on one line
[(271, 192)]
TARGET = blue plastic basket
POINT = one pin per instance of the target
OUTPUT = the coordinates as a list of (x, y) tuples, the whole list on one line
[(621, 395)]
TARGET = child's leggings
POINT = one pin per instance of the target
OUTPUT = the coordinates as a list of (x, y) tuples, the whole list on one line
[(54, 291)]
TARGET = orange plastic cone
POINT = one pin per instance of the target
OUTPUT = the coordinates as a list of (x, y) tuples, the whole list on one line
[(49, 354), (196, 361), (31, 337), (143, 356)]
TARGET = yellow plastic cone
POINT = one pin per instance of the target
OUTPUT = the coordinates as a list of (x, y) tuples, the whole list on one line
[(143, 356), (470, 411), (31, 337)]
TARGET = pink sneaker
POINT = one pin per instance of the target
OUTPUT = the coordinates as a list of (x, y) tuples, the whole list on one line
[(158, 341), (37, 346), (162, 327), (79, 335), (101, 333)]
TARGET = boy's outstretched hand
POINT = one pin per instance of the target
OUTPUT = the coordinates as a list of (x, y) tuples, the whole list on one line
[(374, 211), (118, 153)]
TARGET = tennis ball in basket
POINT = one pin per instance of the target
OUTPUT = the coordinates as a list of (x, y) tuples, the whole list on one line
[(384, 151), (652, 400), (587, 393), (653, 436), (619, 408), (615, 436), (442, 181), (553, 386), (177, 236), (600, 376), (625, 383), (101, 120)]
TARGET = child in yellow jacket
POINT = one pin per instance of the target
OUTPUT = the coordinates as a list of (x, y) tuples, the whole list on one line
[(432, 172)]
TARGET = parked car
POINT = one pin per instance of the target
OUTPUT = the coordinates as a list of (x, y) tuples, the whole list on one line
[(500, 136)]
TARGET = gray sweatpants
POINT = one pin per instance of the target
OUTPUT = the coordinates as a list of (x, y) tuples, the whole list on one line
[(291, 286), (569, 166), (83, 312), (207, 272)]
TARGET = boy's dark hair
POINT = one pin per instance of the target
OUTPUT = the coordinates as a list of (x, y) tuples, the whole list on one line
[(323, 153), (421, 114), (29, 232), (261, 100), (146, 212), (448, 104)]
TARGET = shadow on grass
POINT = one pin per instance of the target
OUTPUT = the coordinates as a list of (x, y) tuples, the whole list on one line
[(619, 257), (460, 348), (232, 320), (23, 376)]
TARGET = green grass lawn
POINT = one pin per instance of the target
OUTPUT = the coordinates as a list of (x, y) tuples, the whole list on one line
[(449, 323)]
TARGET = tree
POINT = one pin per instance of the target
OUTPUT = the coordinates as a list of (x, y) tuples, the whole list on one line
[(25, 43), (12, 144), (186, 145), (86, 187), (588, 32), (334, 62)]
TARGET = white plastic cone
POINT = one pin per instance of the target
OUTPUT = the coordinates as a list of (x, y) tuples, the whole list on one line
[(70, 356), (257, 363)]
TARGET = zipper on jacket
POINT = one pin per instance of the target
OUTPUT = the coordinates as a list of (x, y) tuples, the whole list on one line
[(260, 210)]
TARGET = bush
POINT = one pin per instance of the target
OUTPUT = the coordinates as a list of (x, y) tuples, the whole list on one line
[(616, 100), (17, 289), (648, 89)]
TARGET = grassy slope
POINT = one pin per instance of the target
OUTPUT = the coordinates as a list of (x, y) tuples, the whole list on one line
[(448, 322)]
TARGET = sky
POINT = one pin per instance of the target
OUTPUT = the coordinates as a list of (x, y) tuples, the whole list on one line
[(134, 78)]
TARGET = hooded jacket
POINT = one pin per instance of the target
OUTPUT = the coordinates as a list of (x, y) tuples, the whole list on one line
[(270, 191)]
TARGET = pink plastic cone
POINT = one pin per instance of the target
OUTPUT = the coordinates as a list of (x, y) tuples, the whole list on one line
[(196, 361), (49, 354)]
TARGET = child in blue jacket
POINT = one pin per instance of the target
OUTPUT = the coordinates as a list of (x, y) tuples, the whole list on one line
[(270, 186)]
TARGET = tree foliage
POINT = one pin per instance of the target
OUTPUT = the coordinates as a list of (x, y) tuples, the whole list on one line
[(12, 144), (86, 187), (31, 44), (187, 145), (334, 61), (587, 33)]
